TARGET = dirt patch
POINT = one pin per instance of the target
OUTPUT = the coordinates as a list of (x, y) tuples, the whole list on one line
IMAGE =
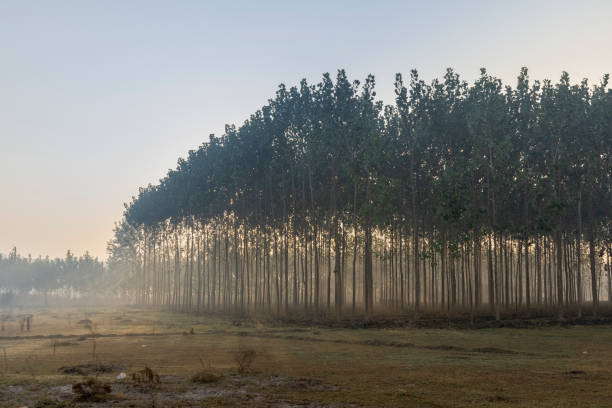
[(51, 403), (575, 374), (65, 344), (91, 390), (85, 322), (498, 398), (199, 393), (297, 383), (387, 343), (89, 369), (444, 347), (61, 391), (229, 390), (493, 350)]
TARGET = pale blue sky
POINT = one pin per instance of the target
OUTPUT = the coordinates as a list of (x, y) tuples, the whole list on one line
[(98, 98)]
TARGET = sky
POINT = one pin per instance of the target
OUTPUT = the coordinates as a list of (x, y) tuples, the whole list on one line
[(98, 98)]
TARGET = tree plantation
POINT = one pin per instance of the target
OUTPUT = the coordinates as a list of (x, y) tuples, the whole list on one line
[(470, 198), (48, 279)]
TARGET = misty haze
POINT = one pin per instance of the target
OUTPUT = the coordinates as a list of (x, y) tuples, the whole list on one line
[(282, 204)]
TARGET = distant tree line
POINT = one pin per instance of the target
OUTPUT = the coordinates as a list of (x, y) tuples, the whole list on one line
[(460, 197), (61, 277)]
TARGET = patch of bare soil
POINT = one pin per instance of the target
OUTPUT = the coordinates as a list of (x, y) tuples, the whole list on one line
[(310, 405), (229, 390), (498, 399), (575, 374), (234, 389), (298, 383), (493, 350), (85, 322), (65, 344), (91, 390), (89, 369)]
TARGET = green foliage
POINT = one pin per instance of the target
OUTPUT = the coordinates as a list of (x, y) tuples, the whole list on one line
[(71, 273), (449, 161)]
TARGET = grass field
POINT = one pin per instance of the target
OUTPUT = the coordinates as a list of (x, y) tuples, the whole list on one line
[(569, 366)]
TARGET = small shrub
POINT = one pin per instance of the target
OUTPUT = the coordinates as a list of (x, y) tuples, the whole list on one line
[(146, 376), (244, 358)]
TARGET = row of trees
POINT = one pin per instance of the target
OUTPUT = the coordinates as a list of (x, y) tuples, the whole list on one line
[(458, 197), (65, 277)]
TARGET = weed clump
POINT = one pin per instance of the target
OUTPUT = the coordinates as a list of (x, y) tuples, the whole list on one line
[(244, 358), (146, 376), (206, 377)]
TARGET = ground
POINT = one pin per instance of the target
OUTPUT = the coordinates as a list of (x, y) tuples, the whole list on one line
[(296, 365)]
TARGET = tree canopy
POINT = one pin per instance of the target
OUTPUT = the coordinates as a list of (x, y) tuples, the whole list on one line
[(68, 276), (454, 190)]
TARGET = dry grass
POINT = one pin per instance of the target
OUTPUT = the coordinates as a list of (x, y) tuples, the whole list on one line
[(394, 367), (146, 376), (244, 358)]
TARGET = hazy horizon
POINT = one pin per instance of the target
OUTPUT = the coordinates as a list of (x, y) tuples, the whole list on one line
[(99, 99)]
